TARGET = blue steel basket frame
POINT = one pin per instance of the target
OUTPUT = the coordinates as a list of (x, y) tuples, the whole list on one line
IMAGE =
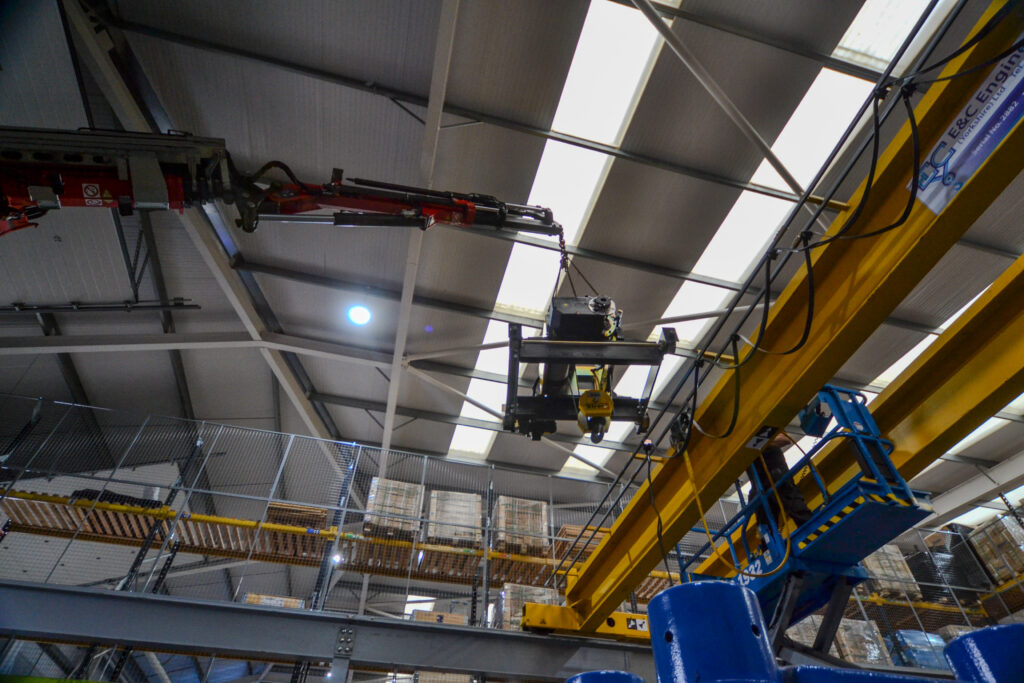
[(854, 424)]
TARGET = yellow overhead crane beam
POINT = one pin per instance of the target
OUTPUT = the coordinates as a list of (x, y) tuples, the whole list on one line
[(965, 377), (858, 283), (968, 374)]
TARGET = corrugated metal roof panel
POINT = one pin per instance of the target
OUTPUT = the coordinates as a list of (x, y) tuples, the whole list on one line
[(510, 58), (37, 76), (389, 41)]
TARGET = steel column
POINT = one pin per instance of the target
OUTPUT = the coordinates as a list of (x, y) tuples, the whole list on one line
[(431, 131)]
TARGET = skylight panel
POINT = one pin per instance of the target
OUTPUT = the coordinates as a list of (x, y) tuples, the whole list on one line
[(815, 127), (495, 360), (975, 517), (878, 31), (803, 145), (613, 60), (418, 602), (894, 370), (529, 279), (471, 441), (592, 454)]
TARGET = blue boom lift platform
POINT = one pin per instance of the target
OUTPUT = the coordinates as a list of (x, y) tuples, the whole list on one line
[(818, 563)]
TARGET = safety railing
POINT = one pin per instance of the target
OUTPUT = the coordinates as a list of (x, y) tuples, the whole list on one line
[(101, 498)]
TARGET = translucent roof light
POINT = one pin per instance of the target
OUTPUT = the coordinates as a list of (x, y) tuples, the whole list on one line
[(611, 65), (880, 28)]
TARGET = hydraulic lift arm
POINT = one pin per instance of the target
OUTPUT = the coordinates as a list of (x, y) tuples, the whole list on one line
[(42, 170), (858, 283)]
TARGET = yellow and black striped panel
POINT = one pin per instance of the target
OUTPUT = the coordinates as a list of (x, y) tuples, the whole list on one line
[(891, 498), (831, 522)]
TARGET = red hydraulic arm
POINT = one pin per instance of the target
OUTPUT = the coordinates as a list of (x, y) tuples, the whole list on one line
[(43, 170)]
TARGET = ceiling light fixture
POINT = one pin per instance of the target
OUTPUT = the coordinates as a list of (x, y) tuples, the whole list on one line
[(359, 315)]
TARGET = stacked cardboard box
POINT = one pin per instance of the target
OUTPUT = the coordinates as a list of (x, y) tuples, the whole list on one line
[(273, 601), (393, 509), (806, 631), (861, 642), (454, 518), (297, 515), (951, 631), (437, 677), (890, 574), (439, 617), (1000, 544), (520, 525), (918, 649), (509, 610)]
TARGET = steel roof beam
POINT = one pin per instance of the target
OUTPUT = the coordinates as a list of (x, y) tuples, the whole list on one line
[(443, 46), (998, 478), (458, 420), (166, 319), (200, 627), (385, 293), (137, 107), (828, 61), (395, 94), (343, 285), (48, 323)]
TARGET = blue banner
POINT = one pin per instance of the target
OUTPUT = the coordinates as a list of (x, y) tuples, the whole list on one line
[(989, 116)]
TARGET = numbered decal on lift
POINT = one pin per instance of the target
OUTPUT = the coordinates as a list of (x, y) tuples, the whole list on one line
[(761, 439), (636, 624)]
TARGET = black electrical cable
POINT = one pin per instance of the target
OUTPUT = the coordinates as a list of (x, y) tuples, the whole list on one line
[(870, 182), (658, 527), (977, 67), (809, 319), (1003, 12), (736, 394), (912, 196)]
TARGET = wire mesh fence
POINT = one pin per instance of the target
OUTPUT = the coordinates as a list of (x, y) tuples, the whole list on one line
[(151, 504), (101, 499)]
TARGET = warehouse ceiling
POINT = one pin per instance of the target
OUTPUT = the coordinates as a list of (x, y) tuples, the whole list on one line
[(324, 85)]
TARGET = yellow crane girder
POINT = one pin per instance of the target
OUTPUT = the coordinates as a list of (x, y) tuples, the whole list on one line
[(858, 283)]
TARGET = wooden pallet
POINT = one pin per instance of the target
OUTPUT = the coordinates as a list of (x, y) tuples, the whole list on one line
[(591, 538), (650, 587), (271, 542), (405, 558), (200, 534), (297, 515), (895, 594), (534, 547), (523, 569)]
